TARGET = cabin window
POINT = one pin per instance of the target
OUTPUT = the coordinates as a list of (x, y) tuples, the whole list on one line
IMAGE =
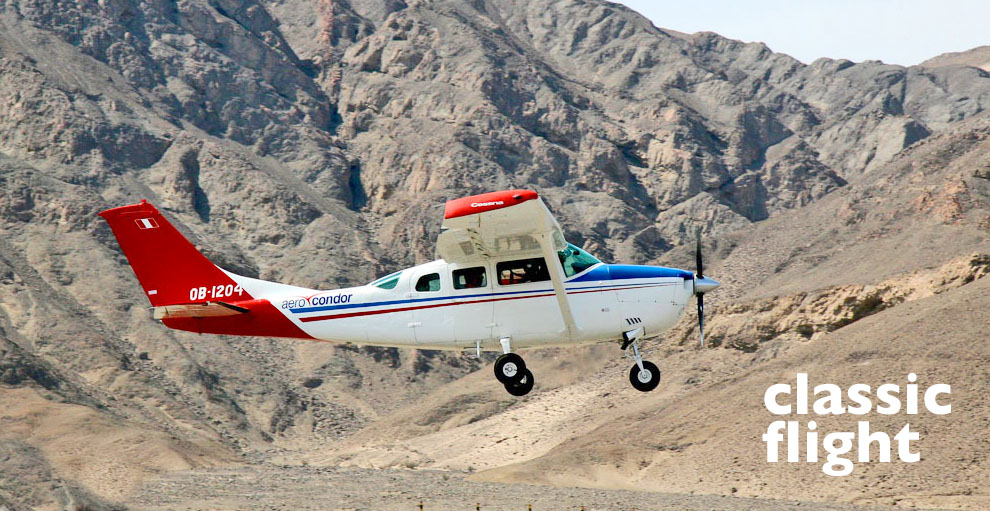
[(469, 278), (388, 281), (428, 283), (522, 271), (574, 260)]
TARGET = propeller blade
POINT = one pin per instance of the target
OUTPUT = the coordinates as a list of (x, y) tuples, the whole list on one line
[(697, 255), (701, 317), (699, 264)]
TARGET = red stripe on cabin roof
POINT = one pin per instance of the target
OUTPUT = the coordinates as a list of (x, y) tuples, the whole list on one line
[(486, 202)]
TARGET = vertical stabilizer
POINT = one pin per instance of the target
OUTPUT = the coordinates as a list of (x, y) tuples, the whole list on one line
[(170, 269)]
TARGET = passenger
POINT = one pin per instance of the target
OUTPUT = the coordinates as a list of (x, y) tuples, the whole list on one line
[(474, 280)]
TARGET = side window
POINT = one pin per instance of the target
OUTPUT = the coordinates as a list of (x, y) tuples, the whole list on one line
[(522, 271), (429, 282), (388, 282), (468, 278)]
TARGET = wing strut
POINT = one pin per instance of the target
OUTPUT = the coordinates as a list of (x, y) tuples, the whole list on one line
[(556, 271)]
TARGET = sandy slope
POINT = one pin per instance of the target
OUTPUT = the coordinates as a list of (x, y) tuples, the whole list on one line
[(108, 455), (708, 440)]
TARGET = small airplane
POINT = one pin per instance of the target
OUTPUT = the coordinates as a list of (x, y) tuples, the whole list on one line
[(505, 280)]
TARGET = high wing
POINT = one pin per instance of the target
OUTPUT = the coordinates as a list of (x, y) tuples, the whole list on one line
[(514, 223)]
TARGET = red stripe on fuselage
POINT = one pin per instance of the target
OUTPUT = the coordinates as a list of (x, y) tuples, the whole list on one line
[(404, 309), (433, 306)]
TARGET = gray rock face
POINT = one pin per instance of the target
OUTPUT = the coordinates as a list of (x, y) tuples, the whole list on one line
[(573, 96), (314, 142)]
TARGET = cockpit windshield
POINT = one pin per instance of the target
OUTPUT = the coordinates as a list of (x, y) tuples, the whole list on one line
[(574, 260), (388, 281)]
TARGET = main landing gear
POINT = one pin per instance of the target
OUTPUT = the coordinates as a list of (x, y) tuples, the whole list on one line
[(644, 376), (510, 370)]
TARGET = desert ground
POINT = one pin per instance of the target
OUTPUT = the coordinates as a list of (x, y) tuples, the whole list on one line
[(272, 487)]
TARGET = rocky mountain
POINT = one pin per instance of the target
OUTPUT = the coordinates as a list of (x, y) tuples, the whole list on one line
[(314, 142)]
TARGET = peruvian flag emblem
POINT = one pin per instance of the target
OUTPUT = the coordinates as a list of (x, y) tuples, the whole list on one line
[(146, 223)]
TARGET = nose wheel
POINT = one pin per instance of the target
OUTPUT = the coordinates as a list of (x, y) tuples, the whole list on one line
[(645, 379), (644, 376)]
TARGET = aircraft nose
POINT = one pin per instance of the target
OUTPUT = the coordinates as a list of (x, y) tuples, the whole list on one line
[(704, 284)]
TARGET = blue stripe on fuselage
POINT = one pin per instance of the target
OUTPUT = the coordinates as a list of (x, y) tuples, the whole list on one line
[(599, 272), (603, 272), (630, 271)]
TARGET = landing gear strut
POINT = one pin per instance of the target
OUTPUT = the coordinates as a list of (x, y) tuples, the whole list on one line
[(510, 371), (644, 376)]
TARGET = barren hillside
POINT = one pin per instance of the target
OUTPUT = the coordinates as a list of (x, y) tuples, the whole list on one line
[(977, 57), (314, 142)]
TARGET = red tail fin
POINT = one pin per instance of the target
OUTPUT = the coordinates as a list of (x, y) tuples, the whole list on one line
[(170, 269)]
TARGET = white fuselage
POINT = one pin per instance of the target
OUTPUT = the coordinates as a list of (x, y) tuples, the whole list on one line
[(606, 300)]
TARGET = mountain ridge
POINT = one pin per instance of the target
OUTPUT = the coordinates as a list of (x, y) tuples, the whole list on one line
[(314, 143)]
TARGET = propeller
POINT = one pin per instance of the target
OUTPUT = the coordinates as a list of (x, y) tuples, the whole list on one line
[(702, 285)]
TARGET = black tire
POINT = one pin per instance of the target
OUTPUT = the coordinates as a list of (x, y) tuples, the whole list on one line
[(637, 379), (509, 368), (523, 386)]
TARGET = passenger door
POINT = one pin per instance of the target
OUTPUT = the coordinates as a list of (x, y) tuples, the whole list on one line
[(526, 307), (473, 316)]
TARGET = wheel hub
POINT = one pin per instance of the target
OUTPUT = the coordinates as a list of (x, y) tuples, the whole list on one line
[(644, 376), (510, 369)]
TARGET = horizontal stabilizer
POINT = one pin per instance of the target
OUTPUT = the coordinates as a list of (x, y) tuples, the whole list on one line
[(199, 310)]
